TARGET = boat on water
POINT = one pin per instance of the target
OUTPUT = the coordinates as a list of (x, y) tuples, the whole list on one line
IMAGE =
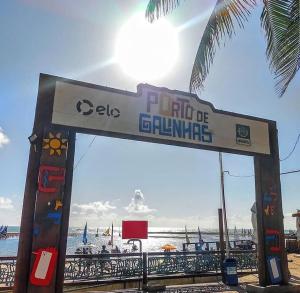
[(88, 248), (106, 232), (198, 246), (238, 243), (3, 232)]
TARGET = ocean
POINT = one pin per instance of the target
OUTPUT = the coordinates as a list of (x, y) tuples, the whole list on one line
[(9, 246)]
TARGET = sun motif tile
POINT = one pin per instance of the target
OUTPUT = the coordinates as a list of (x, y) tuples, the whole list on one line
[(55, 144), (58, 204)]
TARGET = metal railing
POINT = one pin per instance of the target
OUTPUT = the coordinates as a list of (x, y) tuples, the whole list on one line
[(7, 270), (97, 268), (291, 244), (183, 262), (246, 260), (100, 267)]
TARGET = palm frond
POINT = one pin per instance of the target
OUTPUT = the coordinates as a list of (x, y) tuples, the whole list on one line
[(221, 24), (157, 8), (288, 55), (275, 20)]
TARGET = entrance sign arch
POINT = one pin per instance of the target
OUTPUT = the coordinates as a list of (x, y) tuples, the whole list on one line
[(65, 107)]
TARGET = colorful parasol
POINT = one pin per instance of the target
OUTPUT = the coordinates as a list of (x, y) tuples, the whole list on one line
[(168, 247)]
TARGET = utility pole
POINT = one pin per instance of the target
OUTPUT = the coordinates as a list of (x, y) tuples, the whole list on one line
[(224, 204), (221, 235)]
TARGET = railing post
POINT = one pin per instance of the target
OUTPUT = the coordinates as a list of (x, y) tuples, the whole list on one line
[(145, 270)]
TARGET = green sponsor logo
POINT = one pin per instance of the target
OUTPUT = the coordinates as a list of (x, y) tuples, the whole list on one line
[(243, 134)]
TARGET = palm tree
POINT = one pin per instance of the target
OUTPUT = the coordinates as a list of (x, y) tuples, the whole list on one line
[(279, 19)]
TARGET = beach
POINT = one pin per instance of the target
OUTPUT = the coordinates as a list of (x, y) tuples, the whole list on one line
[(174, 236)]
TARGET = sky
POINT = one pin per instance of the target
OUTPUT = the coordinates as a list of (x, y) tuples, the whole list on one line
[(118, 179)]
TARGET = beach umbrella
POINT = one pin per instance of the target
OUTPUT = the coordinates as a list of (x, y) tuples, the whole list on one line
[(187, 239), (168, 247), (84, 237), (199, 233)]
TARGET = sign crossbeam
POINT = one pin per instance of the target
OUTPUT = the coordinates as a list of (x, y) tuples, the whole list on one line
[(160, 115)]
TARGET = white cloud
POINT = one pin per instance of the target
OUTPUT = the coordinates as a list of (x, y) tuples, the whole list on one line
[(3, 138), (96, 214), (239, 221), (6, 203), (137, 206), (192, 222), (92, 208), (204, 222)]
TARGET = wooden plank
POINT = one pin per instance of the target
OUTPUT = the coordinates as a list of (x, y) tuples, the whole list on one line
[(66, 214), (271, 247), (43, 115), (260, 224), (71, 95), (48, 211)]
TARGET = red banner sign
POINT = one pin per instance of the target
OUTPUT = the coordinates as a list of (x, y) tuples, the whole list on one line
[(134, 229)]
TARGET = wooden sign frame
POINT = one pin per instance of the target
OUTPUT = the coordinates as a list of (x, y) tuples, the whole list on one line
[(47, 196)]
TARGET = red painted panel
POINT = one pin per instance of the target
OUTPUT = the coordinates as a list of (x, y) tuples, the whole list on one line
[(44, 266), (134, 229), (45, 177)]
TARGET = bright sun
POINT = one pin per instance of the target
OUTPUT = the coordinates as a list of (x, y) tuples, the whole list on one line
[(146, 51)]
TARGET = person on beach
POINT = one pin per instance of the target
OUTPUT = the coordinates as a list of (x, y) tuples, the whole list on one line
[(104, 250), (134, 248), (298, 229), (104, 261)]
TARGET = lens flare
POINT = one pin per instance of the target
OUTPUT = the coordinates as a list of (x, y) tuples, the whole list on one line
[(145, 51)]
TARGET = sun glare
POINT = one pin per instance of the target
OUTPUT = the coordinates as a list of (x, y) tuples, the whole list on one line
[(145, 51)]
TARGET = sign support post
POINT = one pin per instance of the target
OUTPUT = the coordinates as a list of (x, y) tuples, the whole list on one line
[(65, 213), (272, 258), (42, 118), (46, 206)]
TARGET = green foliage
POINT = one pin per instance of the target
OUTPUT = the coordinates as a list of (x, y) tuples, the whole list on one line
[(221, 24), (287, 59), (157, 8), (279, 19)]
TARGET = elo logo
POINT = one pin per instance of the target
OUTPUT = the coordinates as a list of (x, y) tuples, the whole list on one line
[(86, 108)]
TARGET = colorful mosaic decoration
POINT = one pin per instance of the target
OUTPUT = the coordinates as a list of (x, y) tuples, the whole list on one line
[(55, 143), (48, 175), (58, 204), (48, 209)]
